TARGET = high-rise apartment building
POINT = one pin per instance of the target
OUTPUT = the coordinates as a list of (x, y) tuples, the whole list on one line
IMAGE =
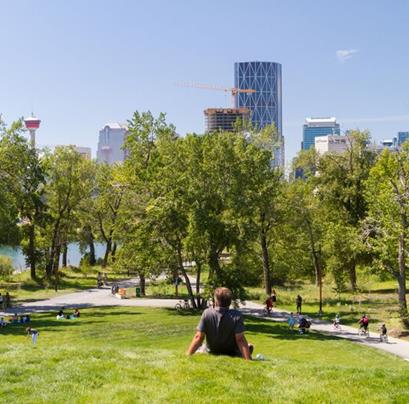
[(265, 104), (315, 127), (224, 119), (110, 143)]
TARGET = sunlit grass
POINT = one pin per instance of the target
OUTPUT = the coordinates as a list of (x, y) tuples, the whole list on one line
[(128, 355)]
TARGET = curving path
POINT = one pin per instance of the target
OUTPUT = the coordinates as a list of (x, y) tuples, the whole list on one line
[(103, 297)]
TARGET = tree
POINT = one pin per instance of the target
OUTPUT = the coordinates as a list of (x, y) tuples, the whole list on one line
[(22, 180), (67, 184), (386, 228), (340, 186)]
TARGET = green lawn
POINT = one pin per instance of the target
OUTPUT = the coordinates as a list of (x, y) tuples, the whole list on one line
[(22, 289), (128, 355)]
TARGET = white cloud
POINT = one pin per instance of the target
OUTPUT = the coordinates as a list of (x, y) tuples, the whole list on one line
[(345, 54)]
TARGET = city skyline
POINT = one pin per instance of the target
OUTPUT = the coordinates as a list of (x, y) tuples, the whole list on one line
[(75, 75)]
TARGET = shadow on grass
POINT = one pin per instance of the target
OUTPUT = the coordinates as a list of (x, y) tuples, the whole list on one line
[(279, 331), (44, 323), (183, 313)]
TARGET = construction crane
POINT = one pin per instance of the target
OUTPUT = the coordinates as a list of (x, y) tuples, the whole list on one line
[(233, 90)]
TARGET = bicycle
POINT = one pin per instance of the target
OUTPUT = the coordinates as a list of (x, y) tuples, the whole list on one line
[(182, 305), (363, 332)]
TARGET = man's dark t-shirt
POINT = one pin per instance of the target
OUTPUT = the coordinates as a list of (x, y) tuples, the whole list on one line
[(220, 325)]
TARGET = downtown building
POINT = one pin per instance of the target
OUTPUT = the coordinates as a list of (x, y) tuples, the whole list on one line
[(265, 104), (110, 143), (224, 119), (331, 144), (314, 127)]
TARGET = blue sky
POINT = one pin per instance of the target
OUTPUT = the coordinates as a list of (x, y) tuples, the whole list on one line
[(81, 63)]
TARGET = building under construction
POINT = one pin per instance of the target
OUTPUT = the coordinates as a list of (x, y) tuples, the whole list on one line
[(224, 119)]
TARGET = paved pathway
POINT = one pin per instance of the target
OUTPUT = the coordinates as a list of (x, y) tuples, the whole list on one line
[(103, 297)]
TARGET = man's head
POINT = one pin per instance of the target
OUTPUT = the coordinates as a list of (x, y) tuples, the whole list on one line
[(222, 297)]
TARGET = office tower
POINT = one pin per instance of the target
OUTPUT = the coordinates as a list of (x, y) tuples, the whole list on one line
[(224, 119), (110, 143), (331, 144), (402, 137), (265, 104), (84, 151), (314, 127)]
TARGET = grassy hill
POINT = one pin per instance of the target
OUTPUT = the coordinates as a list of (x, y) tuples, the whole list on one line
[(128, 355)]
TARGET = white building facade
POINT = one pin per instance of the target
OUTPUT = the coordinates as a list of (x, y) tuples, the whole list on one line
[(331, 144), (110, 143)]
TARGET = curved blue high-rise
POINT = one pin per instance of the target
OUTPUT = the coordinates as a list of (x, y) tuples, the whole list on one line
[(266, 103)]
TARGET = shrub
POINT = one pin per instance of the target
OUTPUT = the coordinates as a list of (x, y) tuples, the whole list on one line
[(6, 267)]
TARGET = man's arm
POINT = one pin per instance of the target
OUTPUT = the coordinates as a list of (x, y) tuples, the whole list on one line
[(196, 343), (243, 346)]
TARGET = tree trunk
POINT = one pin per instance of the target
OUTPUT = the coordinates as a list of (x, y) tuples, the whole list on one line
[(31, 252), (352, 275), (403, 308), (142, 283), (198, 273), (64, 255), (214, 264), (92, 260), (187, 280), (113, 252), (266, 263), (107, 252)]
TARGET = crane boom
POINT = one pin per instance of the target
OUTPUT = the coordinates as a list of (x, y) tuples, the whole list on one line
[(233, 90)]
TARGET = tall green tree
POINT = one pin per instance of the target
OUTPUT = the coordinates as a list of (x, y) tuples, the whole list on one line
[(387, 227)]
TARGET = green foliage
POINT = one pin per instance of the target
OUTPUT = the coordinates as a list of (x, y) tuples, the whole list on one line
[(6, 267)]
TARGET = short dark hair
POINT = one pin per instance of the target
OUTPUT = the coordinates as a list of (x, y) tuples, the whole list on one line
[(223, 297)]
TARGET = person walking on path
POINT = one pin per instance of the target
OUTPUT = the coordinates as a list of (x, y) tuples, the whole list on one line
[(274, 298), (33, 333), (7, 301), (298, 302), (223, 328)]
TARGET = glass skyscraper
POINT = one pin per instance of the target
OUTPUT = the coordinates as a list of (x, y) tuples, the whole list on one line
[(315, 127), (265, 103), (402, 137)]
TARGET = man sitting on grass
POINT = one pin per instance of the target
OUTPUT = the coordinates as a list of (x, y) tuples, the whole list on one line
[(223, 328)]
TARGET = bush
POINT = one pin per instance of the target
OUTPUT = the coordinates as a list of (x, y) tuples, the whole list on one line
[(6, 267)]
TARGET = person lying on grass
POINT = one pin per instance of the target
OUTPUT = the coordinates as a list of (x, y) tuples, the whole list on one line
[(223, 328)]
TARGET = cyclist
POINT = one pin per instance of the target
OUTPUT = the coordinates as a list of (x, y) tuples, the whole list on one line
[(383, 333), (364, 323)]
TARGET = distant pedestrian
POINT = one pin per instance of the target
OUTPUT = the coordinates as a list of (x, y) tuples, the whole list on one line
[(7, 301), (298, 302), (274, 298), (33, 333)]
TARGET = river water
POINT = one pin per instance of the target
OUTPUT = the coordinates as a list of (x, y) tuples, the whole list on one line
[(73, 257)]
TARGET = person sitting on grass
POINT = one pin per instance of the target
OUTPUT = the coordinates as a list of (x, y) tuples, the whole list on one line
[(291, 321), (2, 322), (60, 314), (223, 328), (76, 313)]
